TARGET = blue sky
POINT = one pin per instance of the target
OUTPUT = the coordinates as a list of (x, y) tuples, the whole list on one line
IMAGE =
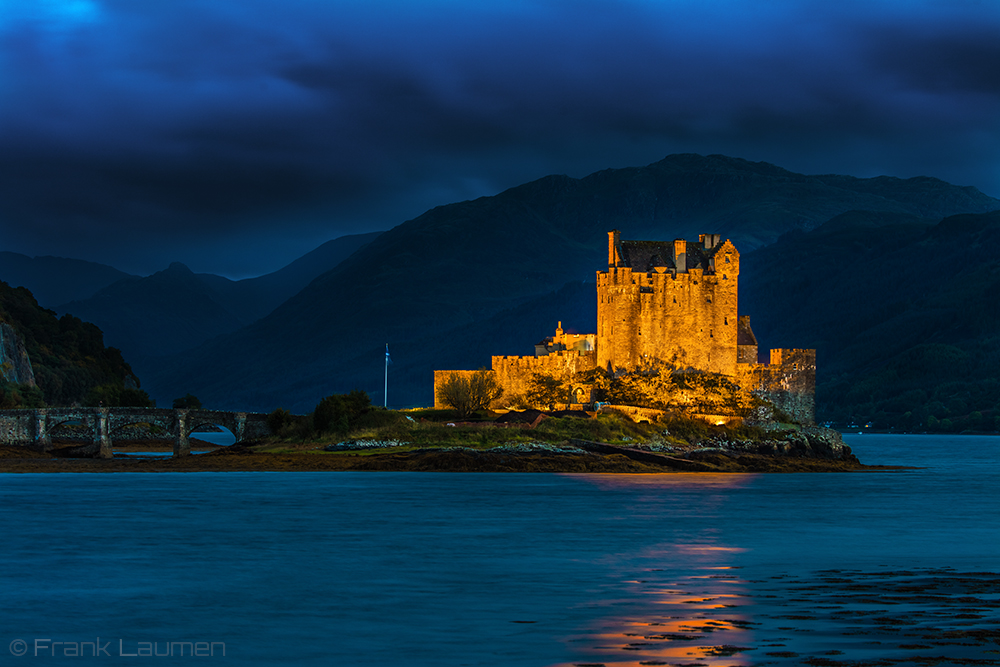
[(235, 135)]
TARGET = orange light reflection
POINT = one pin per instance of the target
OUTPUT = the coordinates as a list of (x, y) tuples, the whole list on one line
[(693, 480), (697, 619)]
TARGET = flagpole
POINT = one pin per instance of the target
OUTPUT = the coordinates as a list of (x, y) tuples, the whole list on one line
[(385, 393)]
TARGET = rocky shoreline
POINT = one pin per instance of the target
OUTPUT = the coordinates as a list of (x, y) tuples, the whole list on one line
[(807, 450)]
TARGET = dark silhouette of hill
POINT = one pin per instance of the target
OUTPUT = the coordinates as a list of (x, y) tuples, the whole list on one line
[(174, 310), (167, 312), (905, 316), (68, 356), (456, 267), (56, 280), (252, 298)]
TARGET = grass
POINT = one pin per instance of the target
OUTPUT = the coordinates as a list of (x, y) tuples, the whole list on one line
[(420, 429)]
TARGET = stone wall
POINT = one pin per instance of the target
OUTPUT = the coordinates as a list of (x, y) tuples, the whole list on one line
[(515, 373), (788, 381)]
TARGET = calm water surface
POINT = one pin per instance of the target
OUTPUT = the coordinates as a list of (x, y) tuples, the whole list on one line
[(480, 569)]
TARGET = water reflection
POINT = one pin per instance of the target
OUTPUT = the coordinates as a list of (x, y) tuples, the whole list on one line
[(695, 481), (682, 601), (691, 596), (697, 619)]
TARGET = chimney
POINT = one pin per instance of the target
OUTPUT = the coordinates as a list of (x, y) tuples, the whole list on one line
[(709, 240), (614, 237), (680, 255)]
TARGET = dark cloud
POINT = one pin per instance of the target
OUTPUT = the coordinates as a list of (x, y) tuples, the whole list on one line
[(238, 135)]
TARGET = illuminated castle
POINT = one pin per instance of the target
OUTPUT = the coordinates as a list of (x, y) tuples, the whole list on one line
[(673, 302)]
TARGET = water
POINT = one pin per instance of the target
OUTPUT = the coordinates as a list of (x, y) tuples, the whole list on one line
[(493, 569), (222, 437)]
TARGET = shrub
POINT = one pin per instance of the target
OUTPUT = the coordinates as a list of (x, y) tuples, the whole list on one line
[(278, 420), (467, 394), (337, 413), (118, 396), (188, 402), (14, 396)]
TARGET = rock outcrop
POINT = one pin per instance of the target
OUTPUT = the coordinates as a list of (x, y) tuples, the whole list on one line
[(15, 366), (811, 442)]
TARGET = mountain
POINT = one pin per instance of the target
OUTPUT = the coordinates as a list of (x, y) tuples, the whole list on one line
[(56, 280), (175, 309), (253, 298), (440, 279), (169, 311), (904, 316)]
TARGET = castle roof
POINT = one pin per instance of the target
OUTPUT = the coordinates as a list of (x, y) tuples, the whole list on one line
[(744, 334), (644, 255)]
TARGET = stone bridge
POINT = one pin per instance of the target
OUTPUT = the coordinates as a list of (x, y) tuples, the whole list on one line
[(33, 428)]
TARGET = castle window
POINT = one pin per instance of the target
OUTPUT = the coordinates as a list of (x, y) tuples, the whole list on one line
[(708, 299), (727, 259), (725, 277), (726, 321)]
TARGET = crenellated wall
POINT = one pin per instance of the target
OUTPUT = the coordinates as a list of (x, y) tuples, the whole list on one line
[(514, 373)]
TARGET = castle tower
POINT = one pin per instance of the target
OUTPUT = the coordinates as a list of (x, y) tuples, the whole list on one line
[(669, 301)]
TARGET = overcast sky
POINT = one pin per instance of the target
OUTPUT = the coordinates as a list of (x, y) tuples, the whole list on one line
[(236, 135)]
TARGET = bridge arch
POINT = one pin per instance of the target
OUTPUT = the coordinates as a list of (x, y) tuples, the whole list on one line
[(198, 423)]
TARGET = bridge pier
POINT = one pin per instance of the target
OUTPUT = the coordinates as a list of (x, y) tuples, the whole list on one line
[(241, 426), (43, 441), (182, 445), (101, 437)]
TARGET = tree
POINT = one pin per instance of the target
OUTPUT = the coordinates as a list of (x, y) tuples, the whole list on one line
[(546, 391), (117, 396), (188, 402), (278, 420), (337, 413), (470, 393)]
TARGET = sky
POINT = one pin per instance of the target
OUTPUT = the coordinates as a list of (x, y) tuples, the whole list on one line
[(237, 135)]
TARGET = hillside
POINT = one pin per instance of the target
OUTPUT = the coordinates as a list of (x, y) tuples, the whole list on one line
[(904, 316), (437, 281), (67, 355), (252, 298), (167, 312)]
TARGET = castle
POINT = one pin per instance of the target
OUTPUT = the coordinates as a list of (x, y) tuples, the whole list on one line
[(673, 302)]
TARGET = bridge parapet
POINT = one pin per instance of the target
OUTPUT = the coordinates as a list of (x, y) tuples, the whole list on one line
[(33, 427)]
